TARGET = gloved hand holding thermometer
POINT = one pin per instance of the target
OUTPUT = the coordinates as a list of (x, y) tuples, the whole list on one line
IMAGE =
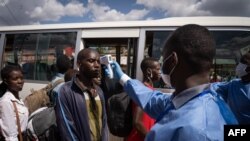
[(113, 70), (107, 60)]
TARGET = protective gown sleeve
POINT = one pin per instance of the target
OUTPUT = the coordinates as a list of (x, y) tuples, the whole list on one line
[(222, 89), (153, 102)]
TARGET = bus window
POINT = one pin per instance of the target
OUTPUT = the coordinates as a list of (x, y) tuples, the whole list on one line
[(155, 41), (36, 53), (230, 46), (123, 50)]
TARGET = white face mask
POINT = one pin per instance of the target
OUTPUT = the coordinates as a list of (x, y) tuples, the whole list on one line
[(166, 77), (241, 70)]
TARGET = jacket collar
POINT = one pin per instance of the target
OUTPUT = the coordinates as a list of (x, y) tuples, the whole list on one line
[(11, 97), (80, 85)]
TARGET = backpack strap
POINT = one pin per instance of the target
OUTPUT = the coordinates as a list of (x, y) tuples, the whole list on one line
[(51, 93), (59, 81), (18, 123), (50, 89), (36, 112)]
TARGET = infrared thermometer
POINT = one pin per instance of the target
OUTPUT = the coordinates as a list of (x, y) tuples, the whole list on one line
[(106, 60)]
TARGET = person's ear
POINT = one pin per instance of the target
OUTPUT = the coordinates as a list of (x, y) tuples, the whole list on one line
[(149, 72), (78, 64), (175, 58)]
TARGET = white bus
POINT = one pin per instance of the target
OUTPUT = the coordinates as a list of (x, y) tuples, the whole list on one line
[(36, 47)]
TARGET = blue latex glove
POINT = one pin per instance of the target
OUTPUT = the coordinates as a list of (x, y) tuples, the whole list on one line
[(117, 73), (116, 70)]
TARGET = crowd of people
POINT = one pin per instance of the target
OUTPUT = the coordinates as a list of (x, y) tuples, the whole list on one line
[(197, 110)]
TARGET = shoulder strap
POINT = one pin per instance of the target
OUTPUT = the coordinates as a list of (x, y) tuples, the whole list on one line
[(59, 81), (18, 123), (50, 92)]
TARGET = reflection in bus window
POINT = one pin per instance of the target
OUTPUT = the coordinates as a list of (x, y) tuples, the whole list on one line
[(230, 46), (155, 41), (37, 53)]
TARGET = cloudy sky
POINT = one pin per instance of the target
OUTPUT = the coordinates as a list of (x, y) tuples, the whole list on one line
[(23, 12)]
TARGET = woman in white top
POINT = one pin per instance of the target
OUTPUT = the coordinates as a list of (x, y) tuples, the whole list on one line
[(12, 83)]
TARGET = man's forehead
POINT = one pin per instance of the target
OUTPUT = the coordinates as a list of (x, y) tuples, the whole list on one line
[(92, 55)]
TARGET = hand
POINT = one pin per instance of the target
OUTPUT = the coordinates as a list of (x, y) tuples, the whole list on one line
[(117, 71)]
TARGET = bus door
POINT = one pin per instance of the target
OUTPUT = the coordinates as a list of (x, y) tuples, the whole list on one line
[(120, 43)]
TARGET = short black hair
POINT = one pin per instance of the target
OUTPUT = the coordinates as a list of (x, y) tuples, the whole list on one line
[(194, 43), (5, 75), (63, 63), (84, 53), (5, 72), (147, 63)]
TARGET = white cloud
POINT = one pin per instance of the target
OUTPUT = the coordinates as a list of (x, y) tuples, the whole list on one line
[(52, 10), (105, 13), (75, 9), (175, 8), (199, 7), (3, 2), (16, 12)]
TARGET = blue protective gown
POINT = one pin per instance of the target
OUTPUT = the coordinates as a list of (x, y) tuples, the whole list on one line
[(237, 95), (196, 114)]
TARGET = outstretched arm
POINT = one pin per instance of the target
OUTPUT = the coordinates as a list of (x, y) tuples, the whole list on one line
[(151, 101)]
